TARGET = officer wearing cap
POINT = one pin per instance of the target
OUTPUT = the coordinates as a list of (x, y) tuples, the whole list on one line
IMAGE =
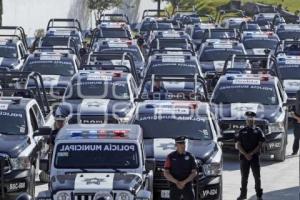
[(249, 142), (180, 170), (59, 123)]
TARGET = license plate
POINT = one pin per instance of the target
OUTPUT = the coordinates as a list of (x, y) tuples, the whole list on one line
[(16, 186), (165, 194)]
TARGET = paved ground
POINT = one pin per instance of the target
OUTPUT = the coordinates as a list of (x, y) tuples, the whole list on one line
[(280, 180)]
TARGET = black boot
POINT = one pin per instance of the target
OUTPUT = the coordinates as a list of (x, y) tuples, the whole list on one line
[(243, 195), (259, 194)]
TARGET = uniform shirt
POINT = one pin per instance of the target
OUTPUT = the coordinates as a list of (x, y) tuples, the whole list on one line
[(249, 139), (180, 165)]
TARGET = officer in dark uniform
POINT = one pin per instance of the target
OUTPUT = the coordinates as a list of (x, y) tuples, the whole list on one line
[(59, 123), (180, 171), (249, 142)]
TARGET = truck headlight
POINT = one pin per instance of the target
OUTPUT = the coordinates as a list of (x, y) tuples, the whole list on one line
[(212, 169), (276, 127), (20, 163), (63, 196), (123, 196)]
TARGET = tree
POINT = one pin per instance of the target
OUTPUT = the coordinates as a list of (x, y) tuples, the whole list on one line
[(101, 5), (175, 4), (182, 4)]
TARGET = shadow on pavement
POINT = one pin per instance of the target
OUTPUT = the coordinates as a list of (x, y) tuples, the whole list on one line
[(284, 194)]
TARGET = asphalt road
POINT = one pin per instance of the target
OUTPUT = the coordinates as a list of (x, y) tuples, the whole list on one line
[(280, 181)]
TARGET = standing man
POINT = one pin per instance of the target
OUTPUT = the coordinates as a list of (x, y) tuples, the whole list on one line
[(296, 133), (180, 171), (249, 142)]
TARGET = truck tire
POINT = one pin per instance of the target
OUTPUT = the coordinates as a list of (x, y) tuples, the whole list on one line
[(31, 186)]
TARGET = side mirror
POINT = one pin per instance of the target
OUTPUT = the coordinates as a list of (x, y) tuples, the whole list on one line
[(44, 165), (24, 196), (150, 165), (143, 195), (44, 131)]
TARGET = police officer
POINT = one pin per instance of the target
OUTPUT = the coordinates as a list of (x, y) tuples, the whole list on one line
[(296, 133), (249, 142), (59, 123), (180, 171)]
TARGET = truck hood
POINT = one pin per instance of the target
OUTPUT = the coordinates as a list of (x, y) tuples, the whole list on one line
[(96, 107), (12, 145), (236, 111), (94, 182), (160, 148), (8, 62)]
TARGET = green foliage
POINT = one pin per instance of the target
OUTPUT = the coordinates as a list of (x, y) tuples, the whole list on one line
[(290, 5), (102, 5), (210, 6)]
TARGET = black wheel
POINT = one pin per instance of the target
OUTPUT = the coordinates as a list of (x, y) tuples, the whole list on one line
[(31, 185)]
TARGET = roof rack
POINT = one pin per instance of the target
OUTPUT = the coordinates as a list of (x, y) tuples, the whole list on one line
[(175, 78), (75, 22), (221, 15), (18, 31), (148, 13), (208, 34), (266, 59), (30, 86), (50, 49), (103, 67), (99, 56), (156, 44), (71, 45), (175, 51), (97, 31), (123, 16)]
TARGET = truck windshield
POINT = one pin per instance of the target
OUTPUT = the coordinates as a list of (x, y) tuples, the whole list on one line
[(97, 156), (12, 122)]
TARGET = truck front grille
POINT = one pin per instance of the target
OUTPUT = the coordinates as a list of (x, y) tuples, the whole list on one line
[(84, 196)]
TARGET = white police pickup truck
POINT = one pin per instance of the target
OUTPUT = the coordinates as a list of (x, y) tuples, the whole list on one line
[(98, 162)]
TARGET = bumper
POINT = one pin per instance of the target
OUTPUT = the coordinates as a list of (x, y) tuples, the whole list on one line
[(209, 188), (15, 183)]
